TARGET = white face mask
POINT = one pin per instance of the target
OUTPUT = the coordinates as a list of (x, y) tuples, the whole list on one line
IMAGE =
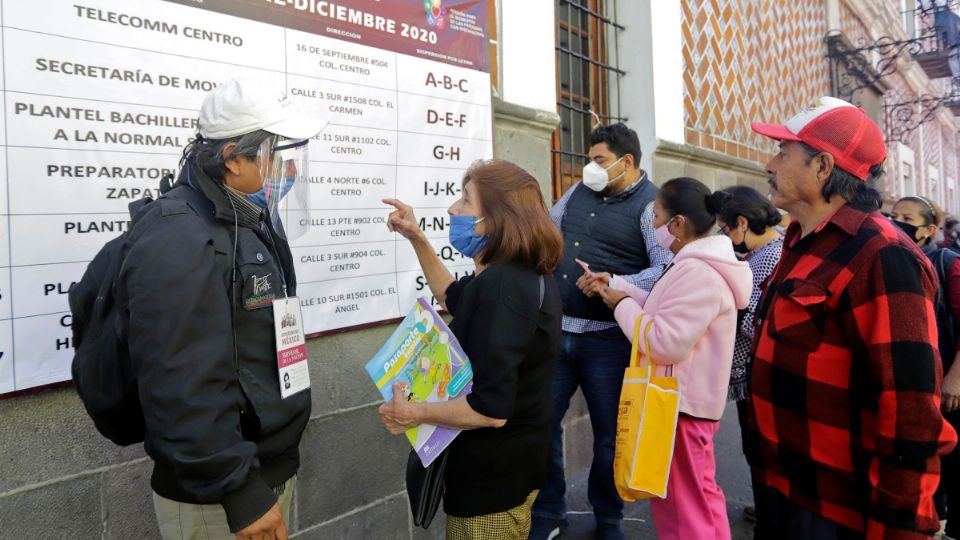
[(595, 177)]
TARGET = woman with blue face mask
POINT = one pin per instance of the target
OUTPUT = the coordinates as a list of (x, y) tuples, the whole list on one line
[(507, 319)]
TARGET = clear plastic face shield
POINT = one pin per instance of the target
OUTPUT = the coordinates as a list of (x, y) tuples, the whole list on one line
[(285, 193)]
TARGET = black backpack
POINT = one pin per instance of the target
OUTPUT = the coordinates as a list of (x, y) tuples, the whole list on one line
[(946, 325), (102, 370)]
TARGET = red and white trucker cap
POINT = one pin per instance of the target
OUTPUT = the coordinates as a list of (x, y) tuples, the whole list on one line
[(834, 126)]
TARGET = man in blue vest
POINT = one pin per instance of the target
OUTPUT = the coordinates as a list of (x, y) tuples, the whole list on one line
[(607, 223)]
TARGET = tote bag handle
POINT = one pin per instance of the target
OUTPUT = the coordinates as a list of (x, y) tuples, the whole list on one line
[(635, 360)]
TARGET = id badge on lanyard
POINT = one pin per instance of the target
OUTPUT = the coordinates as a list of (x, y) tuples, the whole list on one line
[(292, 364)]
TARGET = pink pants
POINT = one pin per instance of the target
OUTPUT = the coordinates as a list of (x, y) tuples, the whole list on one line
[(695, 508)]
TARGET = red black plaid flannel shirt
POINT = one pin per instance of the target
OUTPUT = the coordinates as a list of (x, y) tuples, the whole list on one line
[(845, 388)]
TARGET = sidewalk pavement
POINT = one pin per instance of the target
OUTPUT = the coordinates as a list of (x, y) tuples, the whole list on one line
[(732, 474)]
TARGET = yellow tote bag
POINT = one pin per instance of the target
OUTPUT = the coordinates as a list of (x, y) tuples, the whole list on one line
[(646, 426)]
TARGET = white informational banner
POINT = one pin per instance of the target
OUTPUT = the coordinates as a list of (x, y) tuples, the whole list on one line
[(101, 96)]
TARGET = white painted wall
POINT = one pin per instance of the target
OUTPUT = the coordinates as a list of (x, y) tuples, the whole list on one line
[(667, 40), (933, 184), (907, 169), (652, 90), (636, 87), (527, 53), (949, 203)]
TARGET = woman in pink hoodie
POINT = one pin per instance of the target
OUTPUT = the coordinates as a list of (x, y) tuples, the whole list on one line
[(693, 309)]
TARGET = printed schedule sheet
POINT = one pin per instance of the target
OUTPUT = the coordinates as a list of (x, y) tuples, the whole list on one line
[(101, 97)]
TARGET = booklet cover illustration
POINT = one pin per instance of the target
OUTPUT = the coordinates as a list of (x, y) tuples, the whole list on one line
[(423, 355)]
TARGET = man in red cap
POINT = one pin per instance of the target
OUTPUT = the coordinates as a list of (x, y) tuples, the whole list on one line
[(845, 388)]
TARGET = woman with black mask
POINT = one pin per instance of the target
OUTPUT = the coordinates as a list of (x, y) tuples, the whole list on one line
[(749, 220), (920, 218)]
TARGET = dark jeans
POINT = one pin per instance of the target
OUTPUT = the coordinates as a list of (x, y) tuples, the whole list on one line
[(950, 482), (594, 361), (780, 519), (743, 416)]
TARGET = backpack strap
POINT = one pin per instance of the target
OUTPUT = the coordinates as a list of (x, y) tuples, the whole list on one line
[(167, 183), (946, 258), (136, 206), (222, 241), (942, 264)]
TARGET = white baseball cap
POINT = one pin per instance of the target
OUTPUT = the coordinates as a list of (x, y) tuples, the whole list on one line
[(241, 106)]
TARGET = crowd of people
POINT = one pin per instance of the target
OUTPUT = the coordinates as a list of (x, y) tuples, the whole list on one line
[(835, 336)]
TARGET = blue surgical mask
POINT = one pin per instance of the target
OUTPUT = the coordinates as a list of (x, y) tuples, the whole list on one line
[(272, 190), (462, 236)]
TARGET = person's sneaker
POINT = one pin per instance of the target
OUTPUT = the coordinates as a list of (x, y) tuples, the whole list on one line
[(609, 531), (546, 529), (750, 514)]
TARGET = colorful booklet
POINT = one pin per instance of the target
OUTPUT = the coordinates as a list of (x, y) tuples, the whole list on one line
[(425, 357)]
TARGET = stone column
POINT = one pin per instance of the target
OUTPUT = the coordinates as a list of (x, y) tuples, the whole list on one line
[(522, 135)]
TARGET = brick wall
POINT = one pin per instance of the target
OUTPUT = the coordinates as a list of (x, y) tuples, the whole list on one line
[(934, 143), (764, 59), (749, 60)]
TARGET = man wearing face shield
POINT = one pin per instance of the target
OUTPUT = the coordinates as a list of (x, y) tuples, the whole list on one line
[(607, 224), (202, 267), (280, 170)]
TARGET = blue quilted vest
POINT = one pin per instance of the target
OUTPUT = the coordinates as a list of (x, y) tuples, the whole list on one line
[(606, 234)]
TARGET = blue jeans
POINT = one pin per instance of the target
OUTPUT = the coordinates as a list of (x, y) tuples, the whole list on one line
[(594, 361)]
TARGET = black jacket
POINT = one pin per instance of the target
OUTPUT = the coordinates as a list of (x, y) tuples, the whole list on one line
[(512, 345), (943, 260), (216, 427)]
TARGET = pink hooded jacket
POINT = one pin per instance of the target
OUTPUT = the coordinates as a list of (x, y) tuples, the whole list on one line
[(694, 312)]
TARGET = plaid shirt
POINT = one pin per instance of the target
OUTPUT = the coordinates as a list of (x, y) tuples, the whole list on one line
[(845, 388)]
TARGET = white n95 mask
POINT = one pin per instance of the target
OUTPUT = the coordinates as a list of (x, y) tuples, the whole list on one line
[(595, 177)]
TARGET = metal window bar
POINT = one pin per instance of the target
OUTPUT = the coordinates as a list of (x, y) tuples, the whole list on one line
[(612, 22), (576, 109), (588, 75), (593, 61), (572, 154)]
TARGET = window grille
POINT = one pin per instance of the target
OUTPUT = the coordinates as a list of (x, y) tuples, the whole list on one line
[(588, 76)]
